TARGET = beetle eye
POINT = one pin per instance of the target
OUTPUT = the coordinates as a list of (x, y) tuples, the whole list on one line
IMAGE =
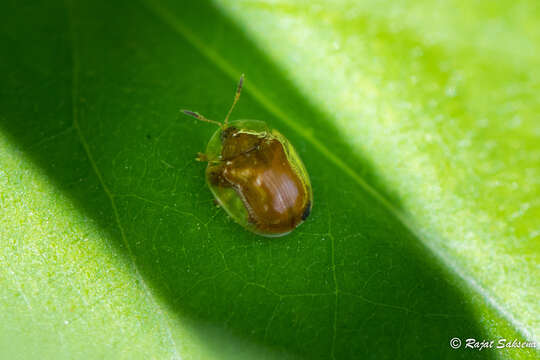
[(228, 132)]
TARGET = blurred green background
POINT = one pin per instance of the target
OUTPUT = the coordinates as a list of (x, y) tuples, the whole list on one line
[(418, 122)]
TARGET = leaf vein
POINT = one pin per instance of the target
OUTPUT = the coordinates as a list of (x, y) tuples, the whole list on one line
[(424, 238), (110, 195)]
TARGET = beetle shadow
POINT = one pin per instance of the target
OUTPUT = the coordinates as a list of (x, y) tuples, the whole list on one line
[(351, 282)]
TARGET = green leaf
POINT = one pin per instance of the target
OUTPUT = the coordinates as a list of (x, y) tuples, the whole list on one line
[(419, 132)]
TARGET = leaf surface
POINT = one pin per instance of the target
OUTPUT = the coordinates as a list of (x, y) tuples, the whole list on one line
[(111, 244)]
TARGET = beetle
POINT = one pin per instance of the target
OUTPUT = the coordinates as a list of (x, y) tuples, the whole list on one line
[(256, 175)]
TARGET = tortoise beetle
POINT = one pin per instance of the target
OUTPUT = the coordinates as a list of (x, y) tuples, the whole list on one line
[(256, 175)]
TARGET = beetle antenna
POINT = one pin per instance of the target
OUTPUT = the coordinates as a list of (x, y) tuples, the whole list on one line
[(236, 97), (198, 116)]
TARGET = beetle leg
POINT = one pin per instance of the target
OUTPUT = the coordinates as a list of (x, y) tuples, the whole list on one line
[(201, 157), (216, 178), (204, 158)]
